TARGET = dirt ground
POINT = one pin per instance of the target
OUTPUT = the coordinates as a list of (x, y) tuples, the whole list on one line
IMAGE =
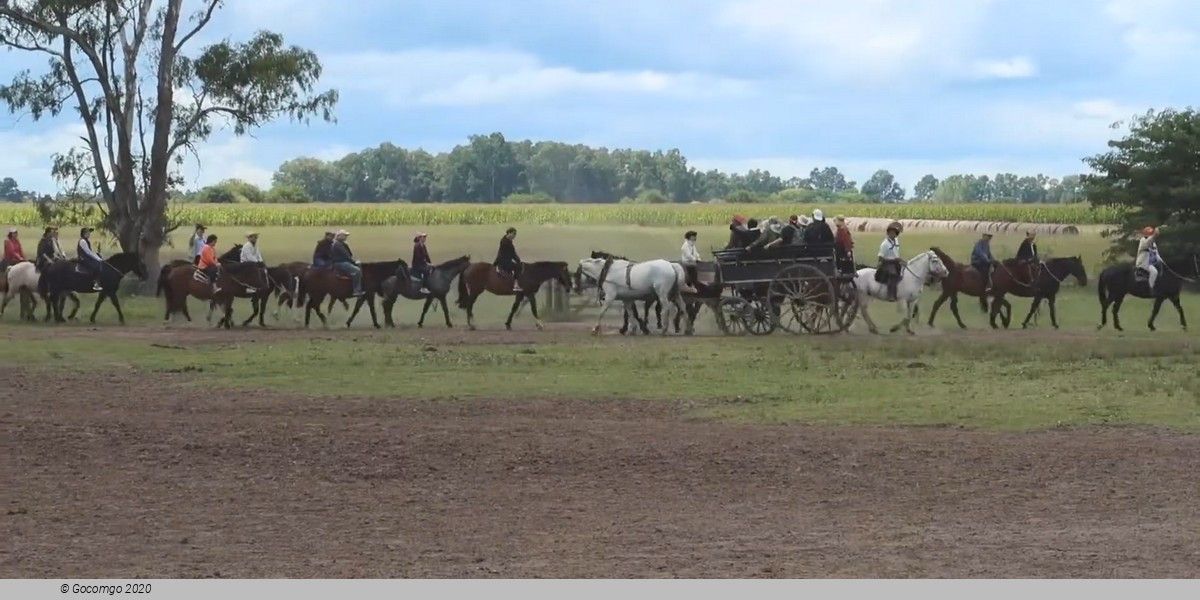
[(162, 479)]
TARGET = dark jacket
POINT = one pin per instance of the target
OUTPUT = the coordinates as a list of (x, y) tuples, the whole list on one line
[(321, 256), (340, 253), (45, 253), (507, 255), (981, 255), (1027, 251), (818, 232), (421, 260)]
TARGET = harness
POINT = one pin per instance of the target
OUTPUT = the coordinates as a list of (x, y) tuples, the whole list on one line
[(604, 276)]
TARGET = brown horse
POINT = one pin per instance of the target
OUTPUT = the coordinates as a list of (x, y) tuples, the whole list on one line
[(485, 277), (318, 283), (963, 279), (237, 280), (1011, 276), (1049, 279)]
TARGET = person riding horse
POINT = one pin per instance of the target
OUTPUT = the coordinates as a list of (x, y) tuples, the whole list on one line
[(13, 253), (207, 262), (1028, 259), (250, 252), (322, 253), (507, 260), (422, 264), (196, 244), (48, 250), (981, 259), (890, 263), (1147, 256), (88, 258), (343, 261)]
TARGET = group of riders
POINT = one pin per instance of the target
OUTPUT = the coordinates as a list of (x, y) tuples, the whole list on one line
[(333, 252), (49, 251)]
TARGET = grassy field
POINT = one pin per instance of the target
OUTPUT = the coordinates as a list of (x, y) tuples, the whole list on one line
[(260, 215)]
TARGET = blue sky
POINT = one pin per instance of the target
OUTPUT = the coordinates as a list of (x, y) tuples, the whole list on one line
[(914, 86)]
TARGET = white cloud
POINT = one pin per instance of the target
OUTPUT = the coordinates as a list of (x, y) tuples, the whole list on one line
[(1158, 33), (1063, 126), (28, 155), (1018, 67), (474, 77), (228, 158)]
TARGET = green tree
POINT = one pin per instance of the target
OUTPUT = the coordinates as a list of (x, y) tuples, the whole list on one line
[(10, 191), (118, 64), (1154, 174), (925, 188), (882, 187), (830, 179), (954, 189)]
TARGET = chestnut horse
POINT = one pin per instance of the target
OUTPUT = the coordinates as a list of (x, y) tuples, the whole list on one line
[(483, 277), (236, 280), (315, 284), (963, 279)]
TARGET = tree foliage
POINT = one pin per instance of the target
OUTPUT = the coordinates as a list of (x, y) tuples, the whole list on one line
[(123, 67), (1154, 172)]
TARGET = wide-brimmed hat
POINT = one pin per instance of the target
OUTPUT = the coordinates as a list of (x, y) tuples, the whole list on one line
[(987, 234), (251, 234), (342, 232), (12, 229), (419, 235)]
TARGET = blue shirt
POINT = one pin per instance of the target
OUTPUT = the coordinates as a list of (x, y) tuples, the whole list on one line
[(982, 254), (198, 246)]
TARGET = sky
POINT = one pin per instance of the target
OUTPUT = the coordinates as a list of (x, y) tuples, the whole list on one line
[(913, 86)]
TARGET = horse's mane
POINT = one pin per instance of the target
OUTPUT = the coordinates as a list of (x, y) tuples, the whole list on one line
[(945, 258), (606, 255), (462, 259)]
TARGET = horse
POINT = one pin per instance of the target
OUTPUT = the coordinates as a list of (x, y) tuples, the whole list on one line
[(21, 280), (318, 283), (62, 278), (236, 280), (441, 279), (1119, 280), (483, 277), (652, 301), (964, 279), (924, 268), (1045, 287), (626, 281)]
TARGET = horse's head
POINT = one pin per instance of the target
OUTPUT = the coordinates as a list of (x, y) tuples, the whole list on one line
[(1075, 268), (591, 267), (562, 274), (937, 268)]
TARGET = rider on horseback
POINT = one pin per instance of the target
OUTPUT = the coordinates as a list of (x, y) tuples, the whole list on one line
[(421, 263), (343, 261), (981, 259), (1027, 258), (13, 253), (890, 262), (321, 255), (208, 263), (250, 252), (196, 244), (88, 258), (49, 252), (507, 260), (1147, 256)]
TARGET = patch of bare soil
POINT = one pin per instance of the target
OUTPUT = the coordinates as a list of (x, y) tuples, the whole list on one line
[(125, 475)]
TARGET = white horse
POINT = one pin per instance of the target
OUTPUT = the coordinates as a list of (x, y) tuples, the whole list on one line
[(920, 271), (22, 281), (626, 281)]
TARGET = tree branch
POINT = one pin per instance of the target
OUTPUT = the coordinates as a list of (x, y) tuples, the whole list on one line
[(184, 135), (204, 19), (89, 120)]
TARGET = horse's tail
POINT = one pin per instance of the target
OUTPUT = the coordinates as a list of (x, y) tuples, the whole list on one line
[(463, 292), (163, 281)]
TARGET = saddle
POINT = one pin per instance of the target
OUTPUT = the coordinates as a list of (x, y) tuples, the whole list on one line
[(884, 273), (1141, 275), (199, 275)]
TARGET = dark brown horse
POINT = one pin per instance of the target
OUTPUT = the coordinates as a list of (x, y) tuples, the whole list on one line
[(63, 277), (441, 280), (316, 284), (1037, 280), (236, 280), (963, 279), (485, 277)]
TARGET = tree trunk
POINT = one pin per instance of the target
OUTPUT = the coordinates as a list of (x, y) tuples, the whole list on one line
[(151, 258)]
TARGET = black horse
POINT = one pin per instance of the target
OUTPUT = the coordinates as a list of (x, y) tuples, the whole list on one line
[(1119, 280), (62, 278), (1049, 280)]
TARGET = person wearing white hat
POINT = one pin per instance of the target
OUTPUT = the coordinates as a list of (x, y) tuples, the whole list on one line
[(13, 253), (818, 231), (321, 258), (343, 260), (250, 251)]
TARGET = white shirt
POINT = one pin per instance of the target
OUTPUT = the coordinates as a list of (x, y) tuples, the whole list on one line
[(86, 246), (889, 249), (691, 256), (251, 254), (1146, 246)]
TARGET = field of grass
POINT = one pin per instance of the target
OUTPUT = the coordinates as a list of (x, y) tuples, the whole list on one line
[(592, 214)]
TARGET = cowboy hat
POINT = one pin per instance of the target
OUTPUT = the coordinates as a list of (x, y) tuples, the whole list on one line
[(818, 215), (420, 234), (251, 234), (12, 229), (343, 232)]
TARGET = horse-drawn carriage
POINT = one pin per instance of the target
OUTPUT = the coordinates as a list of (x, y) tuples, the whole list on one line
[(799, 288)]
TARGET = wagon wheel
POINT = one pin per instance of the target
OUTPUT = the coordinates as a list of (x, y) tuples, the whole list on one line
[(804, 299), (760, 318), (847, 305), (731, 315)]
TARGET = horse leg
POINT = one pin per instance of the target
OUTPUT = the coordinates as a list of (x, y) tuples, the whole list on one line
[(253, 311), (625, 320), (537, 321), (516, 304), (445, 311), (228, 319), (954, 310), (1179, 309), (117, 305), (371, 307), (74, 311), (906, 313), (995, 312), (608, 302), (1033, 307), (353, 313), (388, 303), (96, 309), (937, 304), (424, 310), (1158, 301), (1053, 313), (866, 314), (1116, 311)]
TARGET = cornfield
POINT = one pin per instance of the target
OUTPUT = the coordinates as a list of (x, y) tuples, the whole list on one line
[(309, 215)]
